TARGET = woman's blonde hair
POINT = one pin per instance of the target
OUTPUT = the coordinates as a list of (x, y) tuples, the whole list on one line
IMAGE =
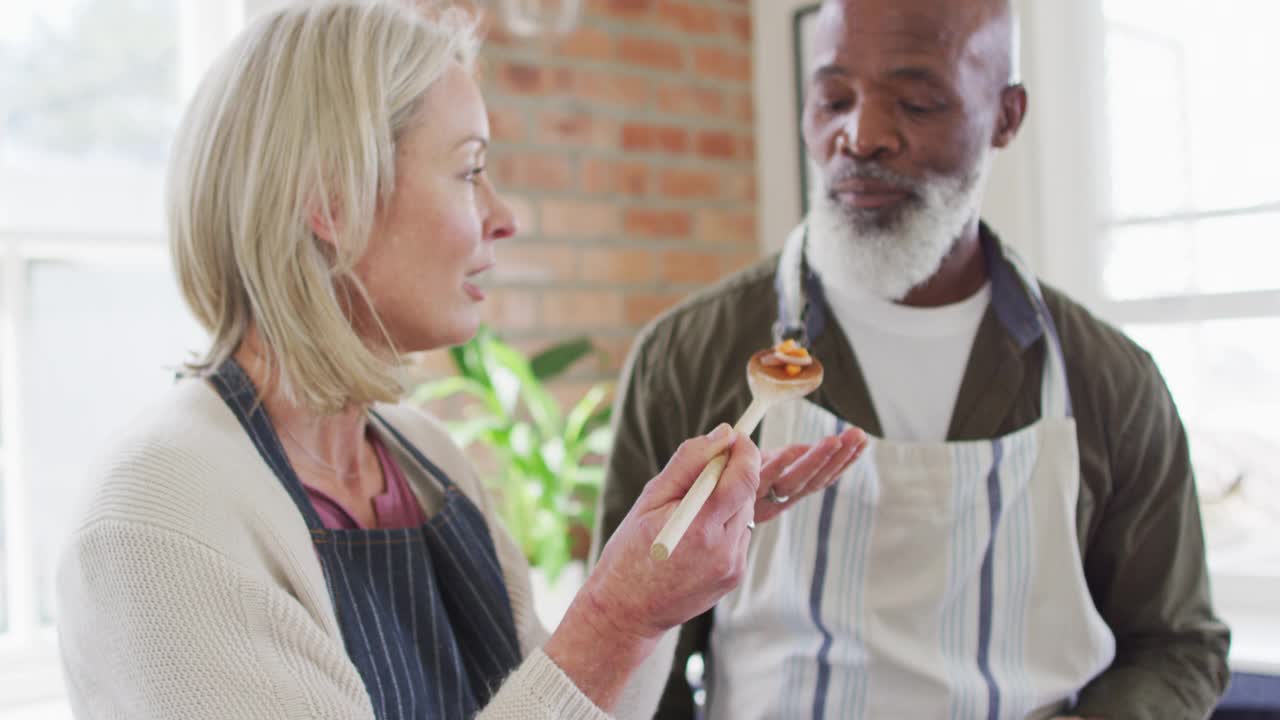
[(298, 120)]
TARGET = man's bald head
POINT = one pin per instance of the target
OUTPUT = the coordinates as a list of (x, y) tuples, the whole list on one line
[(990, 27)]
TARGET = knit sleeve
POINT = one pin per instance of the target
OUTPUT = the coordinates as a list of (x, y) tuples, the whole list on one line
[(154, 624)]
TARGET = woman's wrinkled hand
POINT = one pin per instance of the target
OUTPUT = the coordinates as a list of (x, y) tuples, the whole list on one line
[(797, 471), (647, 597), (629, 600)]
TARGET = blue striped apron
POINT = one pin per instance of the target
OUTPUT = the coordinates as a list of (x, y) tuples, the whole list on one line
[(933, 580), (424, 611)]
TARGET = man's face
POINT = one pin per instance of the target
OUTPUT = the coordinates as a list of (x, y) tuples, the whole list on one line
[(901, 114)]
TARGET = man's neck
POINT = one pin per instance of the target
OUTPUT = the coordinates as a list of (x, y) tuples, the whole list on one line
[(963, 273)]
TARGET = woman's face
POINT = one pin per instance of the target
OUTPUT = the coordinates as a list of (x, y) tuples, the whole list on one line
[(437, 232)]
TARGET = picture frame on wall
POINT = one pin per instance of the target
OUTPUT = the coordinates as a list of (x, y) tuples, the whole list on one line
[(803, 22)]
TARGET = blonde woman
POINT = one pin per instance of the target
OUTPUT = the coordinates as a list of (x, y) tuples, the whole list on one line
[(279, 538)]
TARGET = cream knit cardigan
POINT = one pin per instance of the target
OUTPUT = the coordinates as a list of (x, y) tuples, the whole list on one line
[(191, 590)]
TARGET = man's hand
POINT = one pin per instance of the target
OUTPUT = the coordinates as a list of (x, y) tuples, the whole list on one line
[(797, 471)]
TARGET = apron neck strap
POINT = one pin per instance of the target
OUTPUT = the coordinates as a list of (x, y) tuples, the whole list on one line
[(1055, 396), (414, 453), (802, 305), (236, 389), (802, 314)]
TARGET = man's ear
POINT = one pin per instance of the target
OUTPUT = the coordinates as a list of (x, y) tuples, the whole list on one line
[(1013, 109)]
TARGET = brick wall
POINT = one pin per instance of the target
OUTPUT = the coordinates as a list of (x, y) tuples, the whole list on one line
[(627, 151)]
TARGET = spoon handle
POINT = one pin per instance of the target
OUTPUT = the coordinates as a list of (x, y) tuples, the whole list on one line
[(679, 522)]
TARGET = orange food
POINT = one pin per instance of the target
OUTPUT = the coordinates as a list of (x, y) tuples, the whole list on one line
[(794, 370), (789, 347)]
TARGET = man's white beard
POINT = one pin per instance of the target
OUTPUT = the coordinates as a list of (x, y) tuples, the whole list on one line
[(888, 256)]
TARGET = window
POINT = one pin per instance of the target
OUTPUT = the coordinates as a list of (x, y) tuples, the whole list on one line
[(1191, 243), (1148, 178), (91, 322)]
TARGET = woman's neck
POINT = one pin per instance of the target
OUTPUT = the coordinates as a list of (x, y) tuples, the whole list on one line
[(329, 452)]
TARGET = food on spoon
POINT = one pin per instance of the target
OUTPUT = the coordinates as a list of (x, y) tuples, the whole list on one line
[(788, 361)]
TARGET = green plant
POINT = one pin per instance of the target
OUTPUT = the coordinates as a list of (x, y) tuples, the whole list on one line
[(550, 471)]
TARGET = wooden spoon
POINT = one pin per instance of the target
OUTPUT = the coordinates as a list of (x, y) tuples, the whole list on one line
[(770, 384)]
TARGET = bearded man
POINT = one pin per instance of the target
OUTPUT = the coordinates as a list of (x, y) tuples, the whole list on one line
[(1021, 538)]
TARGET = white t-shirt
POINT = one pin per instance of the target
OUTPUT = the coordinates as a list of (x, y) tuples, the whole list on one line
[(913, 359)]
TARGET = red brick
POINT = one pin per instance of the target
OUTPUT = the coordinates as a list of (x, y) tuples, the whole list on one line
[(508, 309), (689, 100), (686, 18), (743, 109), (741, 189), (615, 350), (577, 128), (615, 177), (690, 184), (611, 88), (717, 144), (740, 25), (520, 78), (526, 170), (651, 53), (727, 226), (658, 223), (688, 266), (623, 266), (643, 307), (654, 138), (528, 262), (522, 210), (578, 219), (587, 42), (720, 63), (624, 9), (506, 123), (581, 309), (730, 264)]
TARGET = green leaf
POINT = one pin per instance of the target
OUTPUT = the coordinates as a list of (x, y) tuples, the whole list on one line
[(448, 387), (501, 377), (522, 440), (590, 477), (465, 432), (543, 407), (582, 413), (552, 552), (600, 419), (600, 440), (466, 358), (555, 360), (553, 456)]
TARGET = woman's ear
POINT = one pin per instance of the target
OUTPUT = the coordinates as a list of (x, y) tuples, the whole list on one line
[(325, 221)]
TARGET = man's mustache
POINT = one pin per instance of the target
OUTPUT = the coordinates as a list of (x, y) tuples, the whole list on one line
[(851, 173)]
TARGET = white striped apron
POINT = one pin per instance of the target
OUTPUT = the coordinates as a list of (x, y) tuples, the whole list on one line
[(934, 580)]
